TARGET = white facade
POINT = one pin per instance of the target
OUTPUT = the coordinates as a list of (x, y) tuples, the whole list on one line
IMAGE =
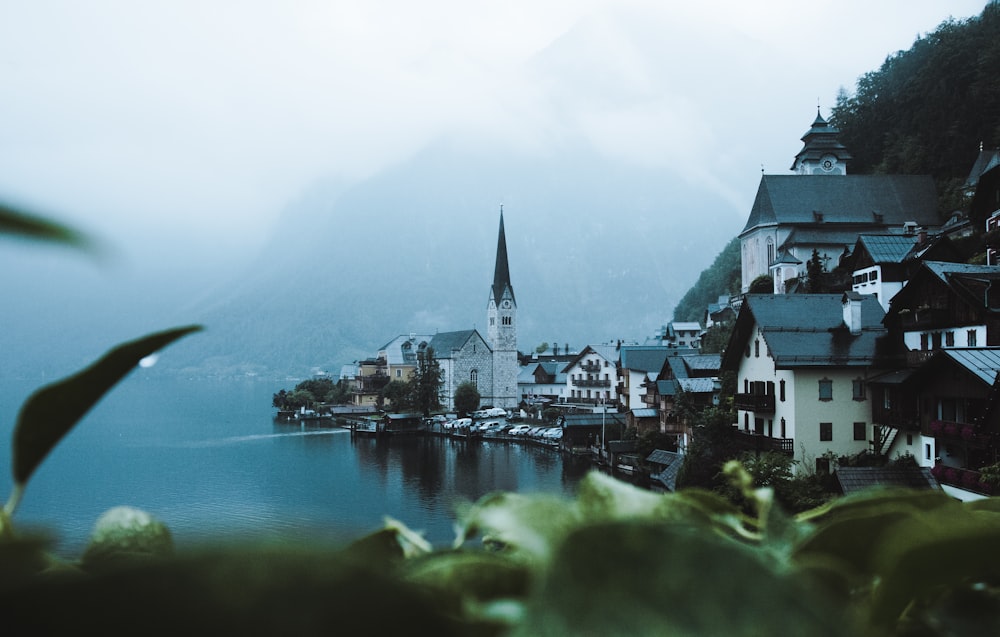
[(871, 281), (946, 338), (592, 379), (818, 408)]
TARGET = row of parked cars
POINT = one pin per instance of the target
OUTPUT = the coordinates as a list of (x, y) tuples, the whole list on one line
[(544, 432)]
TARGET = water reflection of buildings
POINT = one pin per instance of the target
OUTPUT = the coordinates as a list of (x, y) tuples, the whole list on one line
[(445, 471)]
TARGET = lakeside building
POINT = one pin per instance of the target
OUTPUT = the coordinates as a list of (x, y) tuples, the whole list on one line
[(490, 362)]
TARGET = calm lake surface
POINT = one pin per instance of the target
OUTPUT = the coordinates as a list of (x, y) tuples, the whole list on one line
[(206, 458)]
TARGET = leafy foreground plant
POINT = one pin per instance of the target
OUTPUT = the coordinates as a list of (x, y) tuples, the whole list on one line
[(614, 560)]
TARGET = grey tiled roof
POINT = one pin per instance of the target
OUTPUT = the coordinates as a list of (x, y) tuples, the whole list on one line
[(984, 362), (648, 358), (791, 199), (807, 330), (854, 479), (887, 248), (645, 412), (697, 385), (671, 462), (703, 362), (444, 342)]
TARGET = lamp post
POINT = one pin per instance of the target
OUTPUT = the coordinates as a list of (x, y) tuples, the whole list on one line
[(604, 440)]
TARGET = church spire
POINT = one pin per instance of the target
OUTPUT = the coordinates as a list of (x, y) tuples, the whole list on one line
[(501, 274)]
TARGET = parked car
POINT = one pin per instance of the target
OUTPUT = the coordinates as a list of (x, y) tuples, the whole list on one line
[(554, 433), (518, 430)]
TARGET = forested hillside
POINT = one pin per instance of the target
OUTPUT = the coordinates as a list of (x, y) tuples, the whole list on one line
[(926, 110), (722, 277)]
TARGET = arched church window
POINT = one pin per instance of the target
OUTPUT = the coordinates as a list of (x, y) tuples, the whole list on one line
[(474, 376)]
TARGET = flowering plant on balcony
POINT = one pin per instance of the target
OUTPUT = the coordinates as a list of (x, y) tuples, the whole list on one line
[(968, 433), (970, 479), (936, 426), (950, 476), (950, 429), (937, 470)]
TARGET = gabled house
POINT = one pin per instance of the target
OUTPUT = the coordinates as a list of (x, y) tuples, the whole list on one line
[(541, 383), (720, 312), (696, 376), (592, 376), (947, 305), (946, 414), (882, 263), (682, 334), (637, 365), (802, 364)]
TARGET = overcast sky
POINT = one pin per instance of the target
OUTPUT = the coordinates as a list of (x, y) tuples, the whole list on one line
[(197, 121)]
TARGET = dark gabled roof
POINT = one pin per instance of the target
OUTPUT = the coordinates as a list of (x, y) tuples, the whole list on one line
[(829, 234), (644, 358), (854, 479), (444, 342), (697, 385), (667, 387), (671, 462), (703, 363), (969, 283), (877, 201), (986, 161), (886, 248), (806, 330), (982, 362), (592, 420), (645, 412)]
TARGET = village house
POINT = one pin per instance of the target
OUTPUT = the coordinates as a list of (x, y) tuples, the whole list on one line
[(802, 364), (881, 264), (592, 376)]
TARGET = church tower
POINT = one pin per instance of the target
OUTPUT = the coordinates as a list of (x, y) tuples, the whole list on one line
[(822, 153), (502, 331)]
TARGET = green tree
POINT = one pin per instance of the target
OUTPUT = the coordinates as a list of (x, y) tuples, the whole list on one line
[(763, 284), (467, 398), (815, 267), (425, 386), (715, 338), (395, 395), (712, 444), (543, 347)]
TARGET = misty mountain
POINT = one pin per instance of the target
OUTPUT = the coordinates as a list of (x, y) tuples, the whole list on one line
[(598, 251)]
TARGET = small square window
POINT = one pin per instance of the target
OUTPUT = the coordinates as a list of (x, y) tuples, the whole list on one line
[(970, 338), (949, 339), (826, 389), (858, 389), (826, 431), (860, 431)]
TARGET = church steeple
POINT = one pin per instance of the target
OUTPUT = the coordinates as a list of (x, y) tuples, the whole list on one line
[(501, 273), (502, 331), (822, 153)]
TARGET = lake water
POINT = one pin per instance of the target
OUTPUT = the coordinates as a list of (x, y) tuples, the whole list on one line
[(207, 459)]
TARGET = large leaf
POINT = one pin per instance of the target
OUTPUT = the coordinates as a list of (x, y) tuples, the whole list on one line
[(52, 411), (21, 224)]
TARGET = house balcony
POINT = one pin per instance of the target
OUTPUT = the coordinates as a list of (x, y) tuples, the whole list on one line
[(920, 319), (590, 367), (957, 431), (751, 441), (964, 479), (905, 419), (592, 382), (759, 403)]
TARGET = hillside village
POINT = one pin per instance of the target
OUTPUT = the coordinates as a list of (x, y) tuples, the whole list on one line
[(898, 359)]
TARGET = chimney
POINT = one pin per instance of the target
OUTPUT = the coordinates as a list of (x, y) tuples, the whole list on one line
[(852, 312), (555, 349), (922, 237)]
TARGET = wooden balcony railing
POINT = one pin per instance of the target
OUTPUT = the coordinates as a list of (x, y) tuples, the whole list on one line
[(756, 442), (763, 403)]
